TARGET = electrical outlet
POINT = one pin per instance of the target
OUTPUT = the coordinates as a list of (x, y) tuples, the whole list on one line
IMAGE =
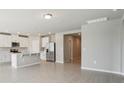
[(94, 61)]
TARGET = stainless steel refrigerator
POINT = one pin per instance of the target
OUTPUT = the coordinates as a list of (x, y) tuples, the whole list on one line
[(51, 52)]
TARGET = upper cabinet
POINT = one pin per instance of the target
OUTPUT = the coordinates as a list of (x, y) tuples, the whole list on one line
[(34, 44), (24, 42), (15, 38), (45, 41), (5, 41)]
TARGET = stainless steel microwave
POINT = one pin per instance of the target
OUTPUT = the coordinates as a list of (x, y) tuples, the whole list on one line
[(15, 44)]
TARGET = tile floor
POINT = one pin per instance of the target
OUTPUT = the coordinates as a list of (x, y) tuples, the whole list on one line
[(55, 73)]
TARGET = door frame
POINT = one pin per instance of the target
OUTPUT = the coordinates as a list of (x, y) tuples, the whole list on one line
[(80, 42)]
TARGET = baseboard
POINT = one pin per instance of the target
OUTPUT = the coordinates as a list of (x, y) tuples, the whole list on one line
[(60, 62), (5, 62), (28, 65), (102, 70)]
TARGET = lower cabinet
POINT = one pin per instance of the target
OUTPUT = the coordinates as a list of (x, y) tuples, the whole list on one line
[(43, 55), (5, 58), (24, 42), (5, 41)]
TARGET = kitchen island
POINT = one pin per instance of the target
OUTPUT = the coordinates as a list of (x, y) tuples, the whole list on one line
[(22, 60)]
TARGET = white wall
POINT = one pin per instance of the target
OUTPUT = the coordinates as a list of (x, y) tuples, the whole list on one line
[(122, 46), (102, 44), (60, 45), (59, 48)]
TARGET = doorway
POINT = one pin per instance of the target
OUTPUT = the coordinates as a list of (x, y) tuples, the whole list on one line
[(72, 48)]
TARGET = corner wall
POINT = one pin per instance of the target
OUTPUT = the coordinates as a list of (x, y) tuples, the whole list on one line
[(102, 48)]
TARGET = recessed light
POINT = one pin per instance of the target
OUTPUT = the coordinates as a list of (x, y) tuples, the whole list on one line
[(48, 16)]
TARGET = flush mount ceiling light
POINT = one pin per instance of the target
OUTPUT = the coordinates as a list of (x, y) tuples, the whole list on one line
[(48, 16)]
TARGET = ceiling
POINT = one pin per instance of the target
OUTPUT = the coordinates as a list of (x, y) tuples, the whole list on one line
[(32, 21)]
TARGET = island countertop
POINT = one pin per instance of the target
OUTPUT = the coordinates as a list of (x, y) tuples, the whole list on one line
[(24, 59)]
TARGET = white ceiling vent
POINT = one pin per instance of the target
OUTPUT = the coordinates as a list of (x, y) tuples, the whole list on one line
[(3, 33), (98, 20)]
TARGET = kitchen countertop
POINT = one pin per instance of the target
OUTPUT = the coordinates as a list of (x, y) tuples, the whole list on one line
[(24, 59)]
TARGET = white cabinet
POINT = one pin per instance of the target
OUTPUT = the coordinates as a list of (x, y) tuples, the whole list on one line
[(21, 60), (5, 57), (5, 41), (43, 55), (24, 42), (45, 41), (34, 44), (15, 38)]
